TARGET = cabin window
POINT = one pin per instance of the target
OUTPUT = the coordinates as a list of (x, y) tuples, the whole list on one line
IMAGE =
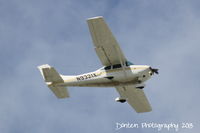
[(117, 66), (107, 68)]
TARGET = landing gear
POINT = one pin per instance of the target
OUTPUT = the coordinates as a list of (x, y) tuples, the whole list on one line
[(121, 100), (139, 81), (140, 87)]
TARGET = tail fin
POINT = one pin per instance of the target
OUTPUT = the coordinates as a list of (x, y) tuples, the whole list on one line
[(52, 77), (50, 74)]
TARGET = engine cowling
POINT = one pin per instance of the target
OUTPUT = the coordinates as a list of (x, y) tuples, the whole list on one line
[(121, 100)]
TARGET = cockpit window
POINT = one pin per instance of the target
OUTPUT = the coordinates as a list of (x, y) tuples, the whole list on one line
[(117, 66), (128, 63)]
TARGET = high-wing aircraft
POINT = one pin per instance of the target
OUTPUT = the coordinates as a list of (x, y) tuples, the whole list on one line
[(117, 71)]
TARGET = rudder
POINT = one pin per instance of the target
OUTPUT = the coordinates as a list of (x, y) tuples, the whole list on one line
[(50, 74)]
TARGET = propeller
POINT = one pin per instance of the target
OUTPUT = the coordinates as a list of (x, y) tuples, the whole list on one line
[(154, 70)]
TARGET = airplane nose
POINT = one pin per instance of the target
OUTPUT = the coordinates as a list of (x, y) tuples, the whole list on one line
[(150, 73)]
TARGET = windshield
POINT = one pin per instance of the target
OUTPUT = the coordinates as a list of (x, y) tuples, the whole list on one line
[(128, 63)]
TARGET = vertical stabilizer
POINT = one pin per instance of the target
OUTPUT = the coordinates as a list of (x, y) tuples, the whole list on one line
[(52, 78)]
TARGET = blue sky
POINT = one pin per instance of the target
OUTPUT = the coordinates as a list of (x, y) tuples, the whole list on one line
[(163, 34)]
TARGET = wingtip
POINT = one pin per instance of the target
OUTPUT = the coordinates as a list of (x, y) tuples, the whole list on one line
[(97, 17), (44, 66), (144, 111)]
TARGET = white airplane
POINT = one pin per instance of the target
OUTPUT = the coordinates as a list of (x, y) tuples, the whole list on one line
[(117, 71)]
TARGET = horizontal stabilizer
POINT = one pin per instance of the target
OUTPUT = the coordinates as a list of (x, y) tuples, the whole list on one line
[(60, 92)]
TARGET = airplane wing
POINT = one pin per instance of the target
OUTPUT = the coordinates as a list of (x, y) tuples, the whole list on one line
[(135, 97), (105, 43)]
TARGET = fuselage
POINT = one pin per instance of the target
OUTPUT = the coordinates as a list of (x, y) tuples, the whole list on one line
[(127, 75)]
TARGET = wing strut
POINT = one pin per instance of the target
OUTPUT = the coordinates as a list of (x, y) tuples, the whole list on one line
[(121, 62)]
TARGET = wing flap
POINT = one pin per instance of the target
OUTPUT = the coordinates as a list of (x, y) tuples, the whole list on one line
[(104, 56), (135, 97)]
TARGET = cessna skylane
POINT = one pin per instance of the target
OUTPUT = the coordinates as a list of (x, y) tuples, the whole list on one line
[(117, 71)]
